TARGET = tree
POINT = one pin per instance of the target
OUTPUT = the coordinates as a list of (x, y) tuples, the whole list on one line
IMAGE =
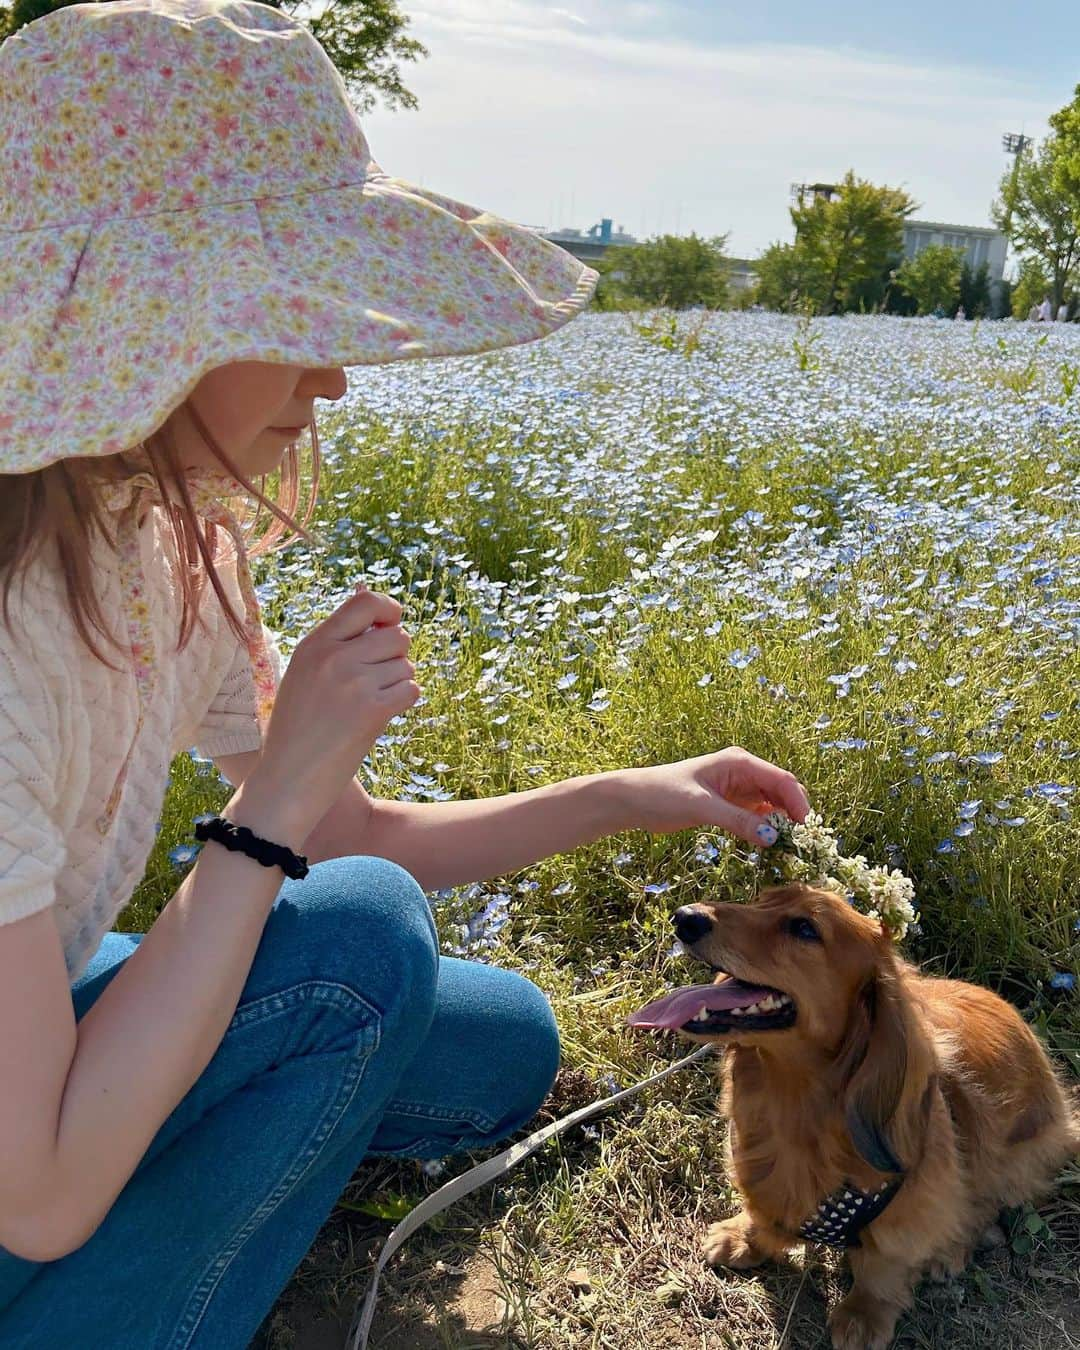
[(932, 278), (975, 289), (1031, 285), (848, 243), (1066, 129), (365, 39), (785, 275), (670, 269), (1042, 220), (844, 254)]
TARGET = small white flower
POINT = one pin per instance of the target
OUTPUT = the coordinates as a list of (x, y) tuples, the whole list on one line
[(808, 853)]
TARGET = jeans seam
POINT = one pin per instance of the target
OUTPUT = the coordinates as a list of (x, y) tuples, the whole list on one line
[(420, 1111), (327, 992), (201, 1296)]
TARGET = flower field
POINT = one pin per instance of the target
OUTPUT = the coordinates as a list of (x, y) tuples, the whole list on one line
[(851, 546)]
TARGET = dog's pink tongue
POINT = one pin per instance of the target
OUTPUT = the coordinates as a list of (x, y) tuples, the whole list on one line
[(675, 1010)]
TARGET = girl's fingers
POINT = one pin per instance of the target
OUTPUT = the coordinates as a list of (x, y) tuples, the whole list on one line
[(779, 788), (390, 673), (359, 613), (382, 643)]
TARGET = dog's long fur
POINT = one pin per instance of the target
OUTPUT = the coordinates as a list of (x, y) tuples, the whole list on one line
[(885, 1072)]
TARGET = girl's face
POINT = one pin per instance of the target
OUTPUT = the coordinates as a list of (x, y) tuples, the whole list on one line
[(243, 403)]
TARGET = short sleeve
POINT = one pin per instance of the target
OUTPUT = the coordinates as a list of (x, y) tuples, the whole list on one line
[(32, 849), (230, 726)]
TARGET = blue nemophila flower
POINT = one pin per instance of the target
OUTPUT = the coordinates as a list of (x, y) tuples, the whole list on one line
[(969, 810), (740, 659), (183, 854), (988, 756), (1062, 979), (657, 887), (946, 846), (621, 859)]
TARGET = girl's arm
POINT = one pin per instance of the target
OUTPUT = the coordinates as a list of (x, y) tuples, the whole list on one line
[(82, 1102), (452, 843)]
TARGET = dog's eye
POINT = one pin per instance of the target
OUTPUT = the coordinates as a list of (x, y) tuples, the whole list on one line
[(804, 930)]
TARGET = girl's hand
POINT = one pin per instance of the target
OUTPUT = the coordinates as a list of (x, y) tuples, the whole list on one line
[(346, 679), (731, 789)]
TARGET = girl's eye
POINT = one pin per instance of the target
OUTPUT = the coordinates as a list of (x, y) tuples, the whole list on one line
[(804, 930)]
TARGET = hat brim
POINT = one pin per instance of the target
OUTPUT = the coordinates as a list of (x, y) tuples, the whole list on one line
[(110, 326)]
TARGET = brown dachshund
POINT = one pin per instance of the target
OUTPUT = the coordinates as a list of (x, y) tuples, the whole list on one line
[(873, 1108)]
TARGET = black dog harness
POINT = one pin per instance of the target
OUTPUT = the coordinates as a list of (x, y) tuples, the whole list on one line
[(842, 1216)]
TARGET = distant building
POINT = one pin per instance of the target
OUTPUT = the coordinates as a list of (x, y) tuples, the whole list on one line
[(742, 273), (980, 243), (588, 245)]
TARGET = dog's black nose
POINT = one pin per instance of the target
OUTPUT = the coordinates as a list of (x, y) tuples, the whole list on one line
[(691, 924)]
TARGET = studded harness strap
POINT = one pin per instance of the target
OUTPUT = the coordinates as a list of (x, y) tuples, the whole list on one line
[(841, 1217)]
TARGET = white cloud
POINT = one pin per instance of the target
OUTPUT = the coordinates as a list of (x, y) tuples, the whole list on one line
[(566, 14), (553, 123)]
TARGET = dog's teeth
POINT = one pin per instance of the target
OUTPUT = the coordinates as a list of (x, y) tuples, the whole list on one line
[(703, 1014), (738, 1012)]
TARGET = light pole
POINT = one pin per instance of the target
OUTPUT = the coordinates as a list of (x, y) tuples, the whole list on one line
[(1013, 143)]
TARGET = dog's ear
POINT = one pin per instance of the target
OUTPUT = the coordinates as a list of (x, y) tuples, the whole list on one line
[(871, 1070)]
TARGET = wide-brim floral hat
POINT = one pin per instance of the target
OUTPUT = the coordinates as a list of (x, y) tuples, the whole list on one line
[(183, 183)]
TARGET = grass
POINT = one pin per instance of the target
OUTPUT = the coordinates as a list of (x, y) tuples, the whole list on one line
[(637, 542)]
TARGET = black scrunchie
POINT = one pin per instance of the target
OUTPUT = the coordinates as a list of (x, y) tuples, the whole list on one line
[(239, 839)]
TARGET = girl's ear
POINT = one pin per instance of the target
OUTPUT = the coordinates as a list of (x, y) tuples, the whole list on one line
[(872, 1069)]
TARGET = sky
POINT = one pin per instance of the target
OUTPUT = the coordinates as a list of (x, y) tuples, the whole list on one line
[(698, 115)]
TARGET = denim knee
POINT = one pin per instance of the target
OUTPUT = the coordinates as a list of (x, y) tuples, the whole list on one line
[(365, 922), (536, 1033)]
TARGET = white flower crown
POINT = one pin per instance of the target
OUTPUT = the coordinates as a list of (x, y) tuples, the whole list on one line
[(808, 853)]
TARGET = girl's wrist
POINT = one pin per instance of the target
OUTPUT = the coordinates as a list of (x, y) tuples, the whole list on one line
[(270, 812)]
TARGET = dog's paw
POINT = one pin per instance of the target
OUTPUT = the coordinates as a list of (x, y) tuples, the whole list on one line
[(993, 1237), (857, 1324), (727, 1244)]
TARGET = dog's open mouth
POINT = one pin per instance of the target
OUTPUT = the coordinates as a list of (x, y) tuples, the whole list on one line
[(710, 1009)]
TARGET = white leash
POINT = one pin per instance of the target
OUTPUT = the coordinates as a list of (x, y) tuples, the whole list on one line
[(478, 1176)]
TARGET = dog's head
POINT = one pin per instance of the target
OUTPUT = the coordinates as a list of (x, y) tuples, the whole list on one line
[(806, 953), (802, 973)]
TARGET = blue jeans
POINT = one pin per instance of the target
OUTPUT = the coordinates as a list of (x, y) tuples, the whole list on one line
[(352, 1037)]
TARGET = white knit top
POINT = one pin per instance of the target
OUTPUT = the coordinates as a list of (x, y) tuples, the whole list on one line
[(67, 721)]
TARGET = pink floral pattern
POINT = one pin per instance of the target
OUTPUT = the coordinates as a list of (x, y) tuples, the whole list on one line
[(183, 183), (128, 499)]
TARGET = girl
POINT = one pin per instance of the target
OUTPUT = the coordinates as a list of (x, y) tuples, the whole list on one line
[(194, 242)]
